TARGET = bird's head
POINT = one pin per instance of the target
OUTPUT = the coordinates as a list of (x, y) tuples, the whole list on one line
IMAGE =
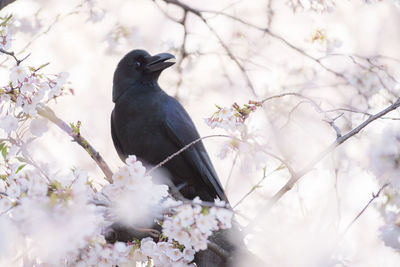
[(140, 67)]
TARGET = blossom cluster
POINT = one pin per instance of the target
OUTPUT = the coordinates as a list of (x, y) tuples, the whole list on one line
[(134, 191), (163, 253), (186, 227), (313, 5), (192, 224), (55, 215), (96, 14), (26, 91), (28, 88), (327, 43), (232, 118), (101, 253), (185, 230)]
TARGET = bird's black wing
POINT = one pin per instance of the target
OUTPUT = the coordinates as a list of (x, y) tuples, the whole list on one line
[(181, 131), (115, 139)]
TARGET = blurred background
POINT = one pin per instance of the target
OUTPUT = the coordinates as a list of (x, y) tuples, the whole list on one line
[(341, 54)]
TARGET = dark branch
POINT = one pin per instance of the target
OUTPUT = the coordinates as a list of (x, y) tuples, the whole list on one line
[(12, 54)]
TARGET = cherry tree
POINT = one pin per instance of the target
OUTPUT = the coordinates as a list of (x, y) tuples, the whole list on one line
[(296, 100)]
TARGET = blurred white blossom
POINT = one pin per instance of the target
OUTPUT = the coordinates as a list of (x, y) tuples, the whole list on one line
[(8, 123), (134, 191), (5, 39), (38, 126), (314, 5)]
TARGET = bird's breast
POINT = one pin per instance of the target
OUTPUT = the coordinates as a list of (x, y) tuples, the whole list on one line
[(139, 126)]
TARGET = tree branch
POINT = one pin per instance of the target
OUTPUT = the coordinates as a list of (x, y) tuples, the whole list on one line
[(329, 149), (183, 149), (47, 113), (339, 140), (12, 54), (222, 253), (328, 119)]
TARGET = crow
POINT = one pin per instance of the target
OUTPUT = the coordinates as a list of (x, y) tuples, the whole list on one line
[(150, 124)]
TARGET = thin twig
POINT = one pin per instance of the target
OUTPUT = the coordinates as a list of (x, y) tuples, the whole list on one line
[(202, 203), (328, 119), (352, 110), (231, 171), (374, 196), (270, 13), (184, 148), (338, 202), (257, 185), (7, 210)]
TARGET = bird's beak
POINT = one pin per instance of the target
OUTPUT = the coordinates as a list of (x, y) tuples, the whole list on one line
[(159, 62)]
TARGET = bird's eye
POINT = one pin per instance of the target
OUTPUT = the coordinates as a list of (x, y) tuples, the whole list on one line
[(137, 64)]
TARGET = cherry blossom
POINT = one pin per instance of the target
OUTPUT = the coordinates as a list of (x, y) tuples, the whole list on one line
[(314, 5), (133, 188), (5, 204), (193, 224), (18, 75), (9, 123), (5, 39)]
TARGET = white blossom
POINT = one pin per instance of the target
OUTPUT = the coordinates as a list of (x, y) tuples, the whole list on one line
[(147, 245), (192, 225), (27, 87), (224, 216), (13, 190), (18, 74), (174, 254), (9, 123), (5, 39), (5, 204), (188, 254), (132, 188), (226, 118), (38, 126)]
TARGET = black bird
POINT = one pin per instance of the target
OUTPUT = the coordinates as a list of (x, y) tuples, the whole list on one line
[(152, 125)]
